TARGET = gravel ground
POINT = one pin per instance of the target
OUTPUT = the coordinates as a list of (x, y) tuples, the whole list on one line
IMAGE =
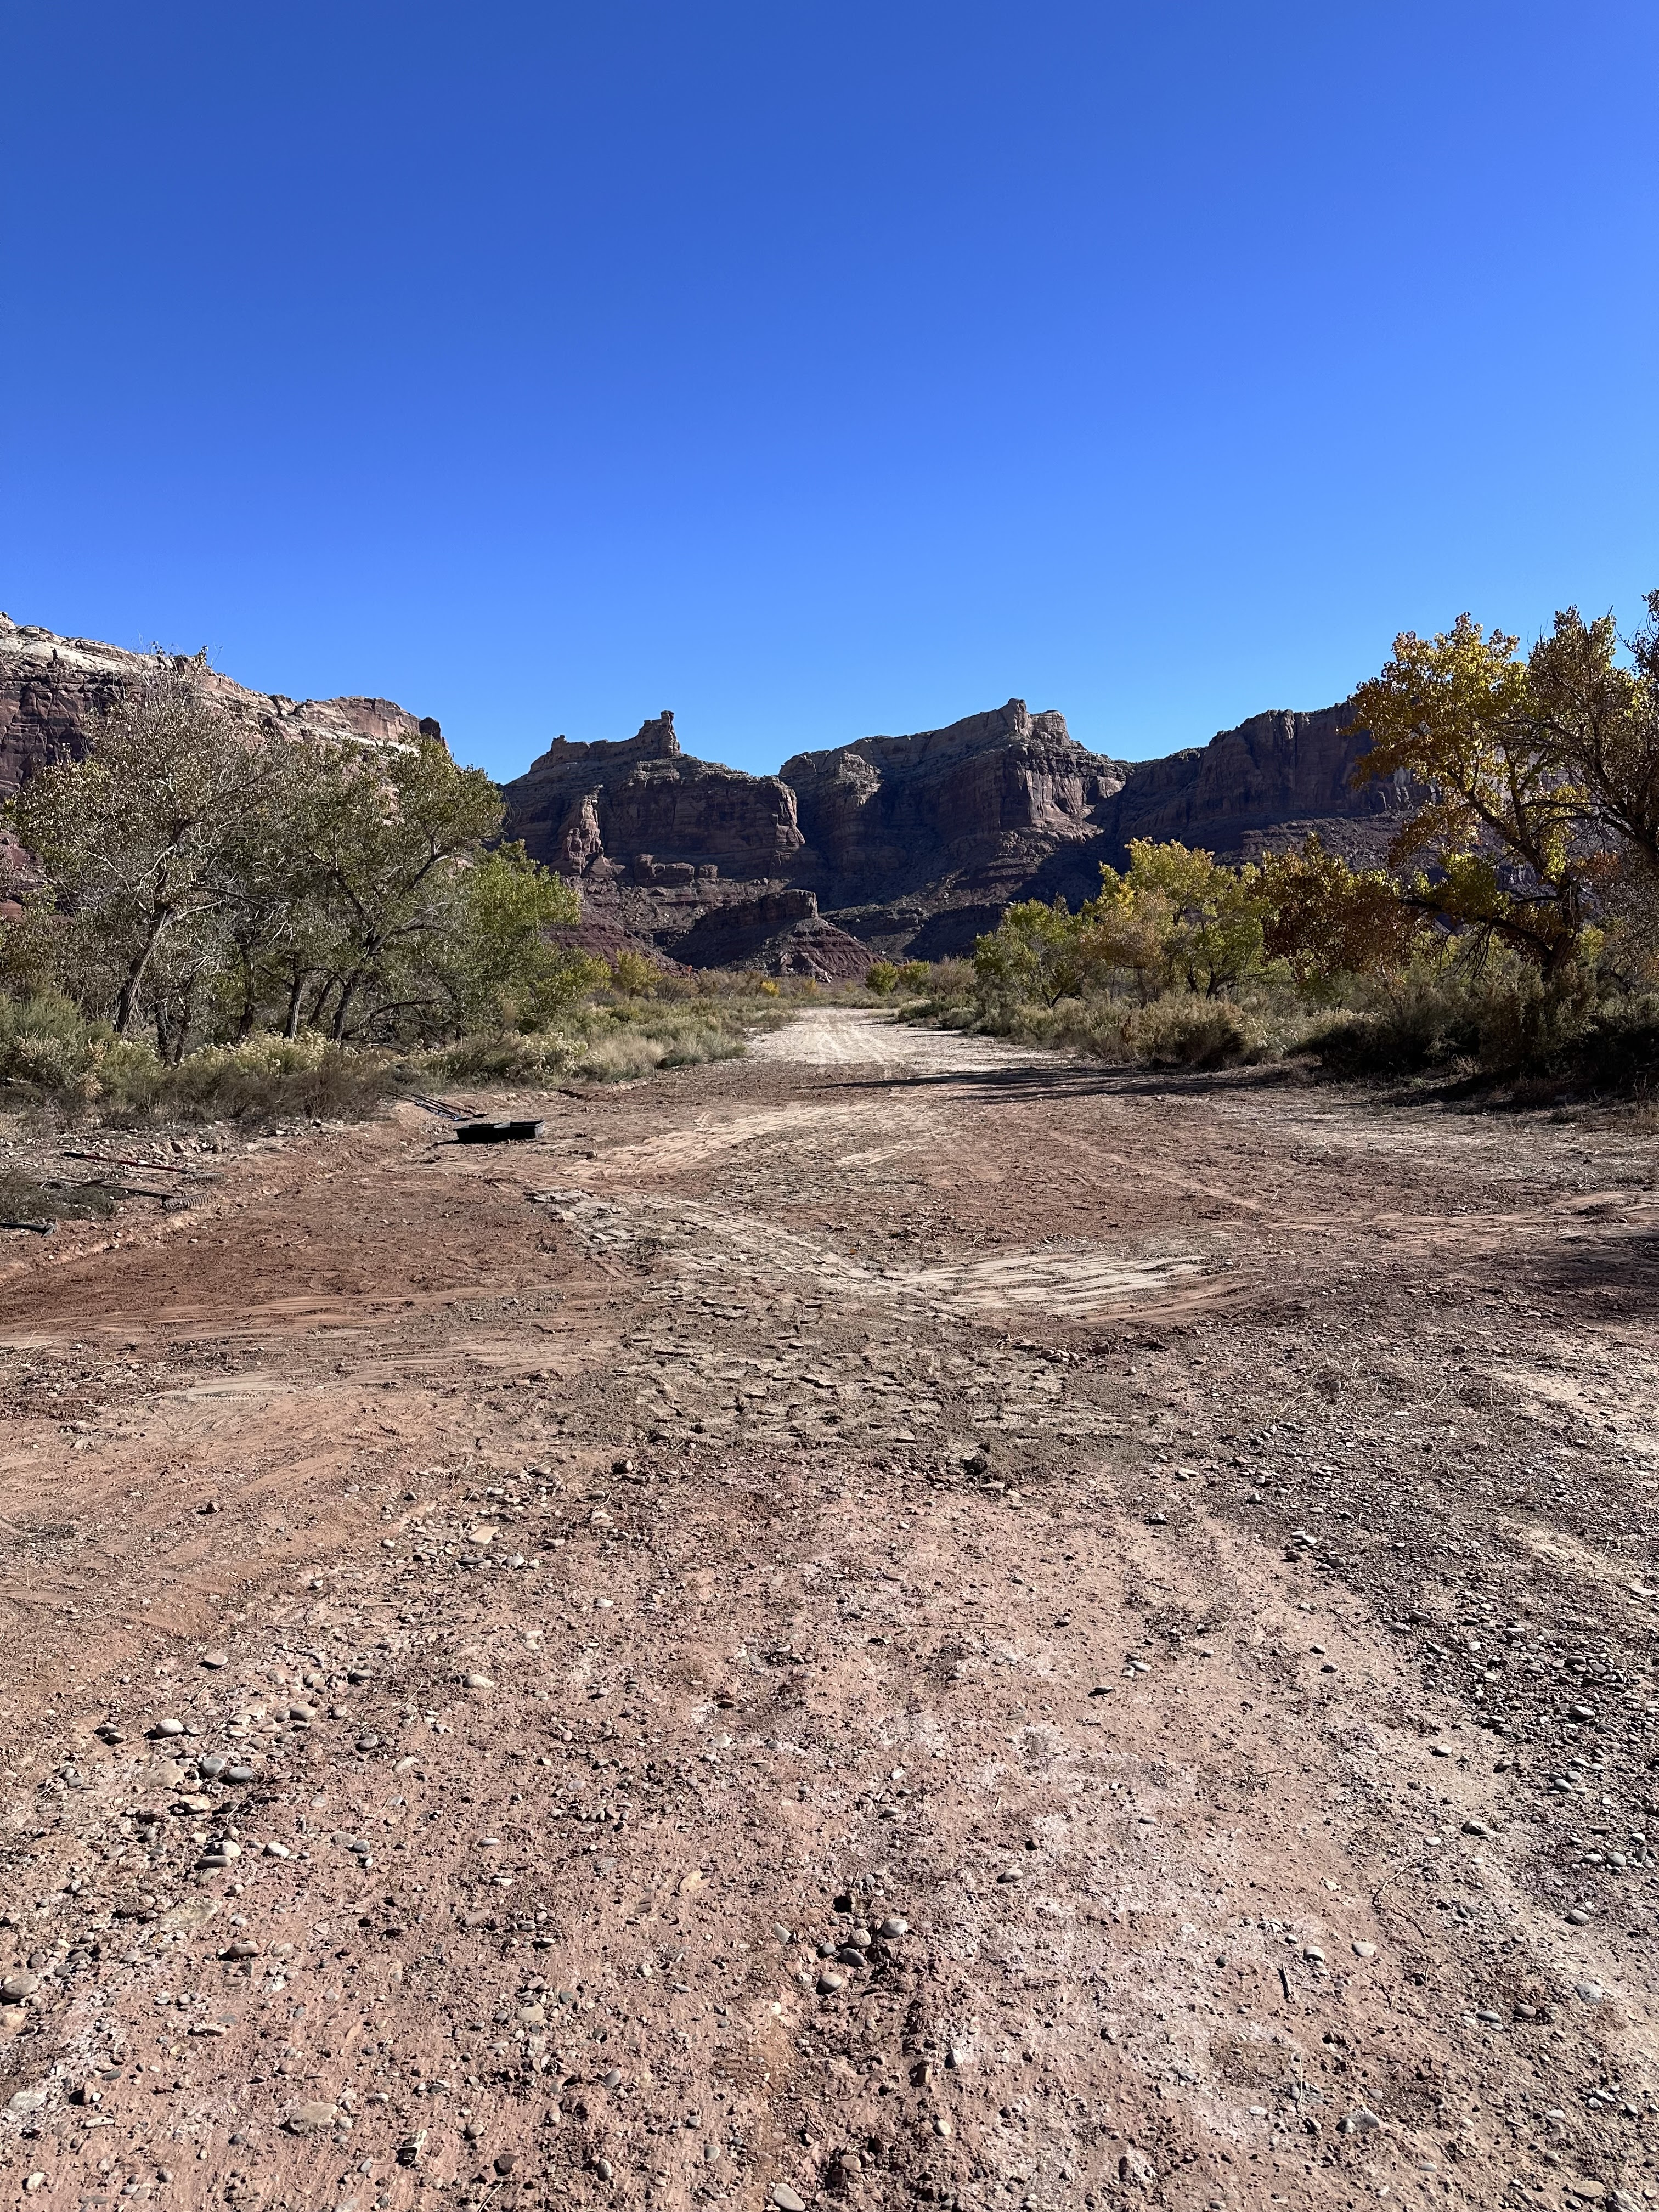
[(895, 1622)]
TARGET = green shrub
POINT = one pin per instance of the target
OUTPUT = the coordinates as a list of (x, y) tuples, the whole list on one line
[(633, 973), (1503, 1025), (1180, 1030), (881, 977), (46, 1043)]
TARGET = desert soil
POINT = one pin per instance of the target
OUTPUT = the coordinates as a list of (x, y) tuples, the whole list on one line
[(891, 1622)]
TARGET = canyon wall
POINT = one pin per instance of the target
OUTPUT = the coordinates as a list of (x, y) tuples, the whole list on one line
[(911, 845), (52, 690), (897, 846)]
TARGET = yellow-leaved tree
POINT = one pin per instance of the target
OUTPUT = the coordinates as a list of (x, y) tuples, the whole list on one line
[(1176, 917), (1532, 772), (1325, 920)]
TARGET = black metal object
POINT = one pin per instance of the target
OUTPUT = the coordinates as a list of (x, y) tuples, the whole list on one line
[(497, 1132)]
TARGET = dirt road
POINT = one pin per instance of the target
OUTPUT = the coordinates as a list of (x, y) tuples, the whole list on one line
[(889, 1623)]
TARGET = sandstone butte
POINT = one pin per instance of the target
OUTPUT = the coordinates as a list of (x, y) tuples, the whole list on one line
[(895, 846)]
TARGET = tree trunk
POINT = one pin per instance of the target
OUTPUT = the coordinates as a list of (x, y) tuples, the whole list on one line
[(129, 998), (347, 992)]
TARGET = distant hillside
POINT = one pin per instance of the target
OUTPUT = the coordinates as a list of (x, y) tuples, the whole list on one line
[(902, 846), (53, 688), (910, 845)]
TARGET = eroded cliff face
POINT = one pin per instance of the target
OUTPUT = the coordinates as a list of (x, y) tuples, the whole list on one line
[(1272, 769), (53, 691), (657, 814), (913, 845), (893, 814), (900, 846), (699, 860)]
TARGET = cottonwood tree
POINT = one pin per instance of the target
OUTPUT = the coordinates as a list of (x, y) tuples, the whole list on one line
[(136, 839), (222, 877), (418, 926), (1541, 778), (1325, 920), (1179, 914)]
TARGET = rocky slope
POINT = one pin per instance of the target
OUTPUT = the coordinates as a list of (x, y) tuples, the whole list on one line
[(53, 688), (910, 845), (902, 846)]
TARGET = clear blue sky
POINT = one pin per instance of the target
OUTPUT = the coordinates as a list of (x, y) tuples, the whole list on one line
[(821, 369)]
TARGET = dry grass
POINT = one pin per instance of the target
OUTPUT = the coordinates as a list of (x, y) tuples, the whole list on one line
[(69, 1071)]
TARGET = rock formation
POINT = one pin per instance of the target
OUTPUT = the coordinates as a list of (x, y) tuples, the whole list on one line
[(52, 690), (897, 846), (910, 845)]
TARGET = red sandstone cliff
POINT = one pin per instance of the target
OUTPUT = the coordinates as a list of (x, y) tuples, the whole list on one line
[(897, 845), (53, 688)]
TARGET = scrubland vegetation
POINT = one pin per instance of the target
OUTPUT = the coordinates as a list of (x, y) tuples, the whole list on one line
[(1514, 933), (208, 921)]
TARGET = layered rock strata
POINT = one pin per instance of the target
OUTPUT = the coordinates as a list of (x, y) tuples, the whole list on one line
[(910, 845), (53, 689), (897, 846)]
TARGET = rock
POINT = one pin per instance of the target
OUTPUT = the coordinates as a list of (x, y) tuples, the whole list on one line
[(53, 688), (170, 1727), (306, 2119), (505, 2162), (908, 845), (477, 1682), (15, 1987), (894, 1926), (788, 2199), (24, 2101), (216, 1659), (612, 2077), (829, 1984), (1581, 1712), (942, 2125), (1476, 1828), (195, 1913), (1363, 1950), (1438, 1751), (274, 1850), (239, 1774), (1578, 1917), (911, 844), (212, 1766), (606, 2171), (1361, 2121)]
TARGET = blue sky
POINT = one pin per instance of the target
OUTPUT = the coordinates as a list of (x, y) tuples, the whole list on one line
[(817, 370)]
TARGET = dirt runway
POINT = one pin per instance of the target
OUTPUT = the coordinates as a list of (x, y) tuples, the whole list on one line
[(894, 1622)]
